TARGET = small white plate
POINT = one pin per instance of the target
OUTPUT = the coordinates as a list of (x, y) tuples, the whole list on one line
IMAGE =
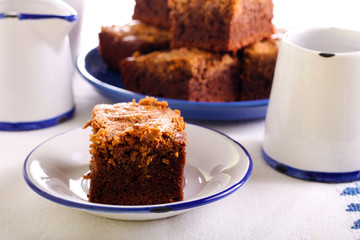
[(216, 166)]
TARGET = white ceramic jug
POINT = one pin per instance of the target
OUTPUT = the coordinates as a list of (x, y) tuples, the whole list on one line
[(312, 126), (35, 63)]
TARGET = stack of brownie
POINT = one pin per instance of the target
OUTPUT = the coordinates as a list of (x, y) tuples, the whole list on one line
[(197, 50)]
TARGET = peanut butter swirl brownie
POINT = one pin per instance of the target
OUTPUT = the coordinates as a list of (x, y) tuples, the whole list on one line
[(138, 153)]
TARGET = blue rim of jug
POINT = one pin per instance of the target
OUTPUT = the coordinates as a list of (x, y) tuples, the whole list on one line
[(25, 126), (26, 16), (327, 177)]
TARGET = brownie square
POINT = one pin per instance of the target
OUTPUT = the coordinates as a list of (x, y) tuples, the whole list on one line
[(258, 66), (138, 153), (220, 26), (119, 42), (154, 12), (187, 74)]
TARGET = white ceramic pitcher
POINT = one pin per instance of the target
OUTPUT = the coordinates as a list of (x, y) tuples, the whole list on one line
[(312, 127), (35, 63)]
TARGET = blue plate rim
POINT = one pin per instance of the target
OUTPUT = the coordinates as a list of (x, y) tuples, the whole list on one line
[(141, 209)]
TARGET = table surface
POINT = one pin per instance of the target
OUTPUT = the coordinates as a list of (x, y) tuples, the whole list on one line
[(269, 206)]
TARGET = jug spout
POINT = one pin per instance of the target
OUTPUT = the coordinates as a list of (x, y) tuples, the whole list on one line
[(53, 31)]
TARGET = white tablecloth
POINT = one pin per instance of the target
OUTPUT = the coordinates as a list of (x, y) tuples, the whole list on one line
[(269, 206)]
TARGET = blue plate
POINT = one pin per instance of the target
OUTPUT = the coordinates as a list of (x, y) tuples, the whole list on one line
[(108, 83)]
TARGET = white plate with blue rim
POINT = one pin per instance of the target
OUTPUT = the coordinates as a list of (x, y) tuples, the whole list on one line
[(216, 167), (109, 84)]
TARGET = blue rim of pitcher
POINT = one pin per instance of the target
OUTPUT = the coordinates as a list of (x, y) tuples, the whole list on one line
[(26, 16), (25, 126), (327, 177)]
